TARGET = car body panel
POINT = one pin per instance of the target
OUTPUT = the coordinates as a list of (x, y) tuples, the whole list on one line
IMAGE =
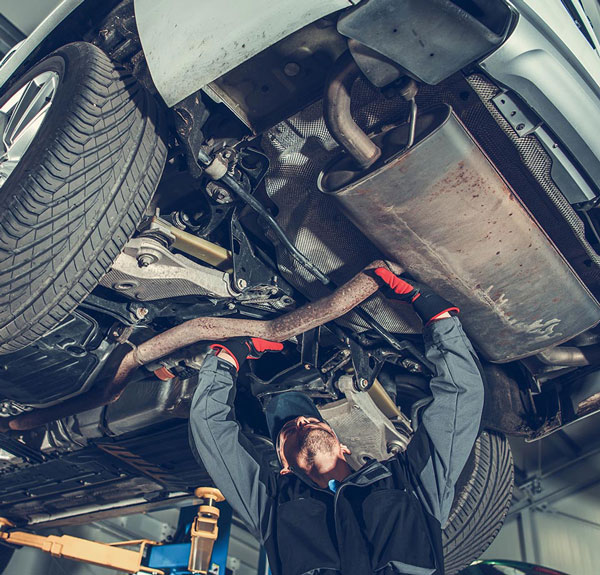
[(551, 66), (13, 60), (207, 39)]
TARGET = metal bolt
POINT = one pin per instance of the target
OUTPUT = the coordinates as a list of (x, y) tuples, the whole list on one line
[(242, 283), (306, 366), (141, 312), (144, 260), (230, 305), (124, 286), (411, 366), (363, 383), (536, 485), (291, 69), (218, 193)]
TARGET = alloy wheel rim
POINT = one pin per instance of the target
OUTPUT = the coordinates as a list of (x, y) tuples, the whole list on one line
[(21, 118)]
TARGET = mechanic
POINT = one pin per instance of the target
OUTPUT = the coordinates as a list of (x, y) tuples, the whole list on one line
[(318, 515)]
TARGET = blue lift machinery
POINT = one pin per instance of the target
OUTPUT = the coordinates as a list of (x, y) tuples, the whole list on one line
[(204, 533)]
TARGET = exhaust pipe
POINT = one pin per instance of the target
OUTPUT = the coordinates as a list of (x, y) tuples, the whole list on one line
[(338, 119), (570, 356), (309, 316)]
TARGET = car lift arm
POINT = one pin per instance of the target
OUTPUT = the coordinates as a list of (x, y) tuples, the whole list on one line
[(204, 532), (104, 554)]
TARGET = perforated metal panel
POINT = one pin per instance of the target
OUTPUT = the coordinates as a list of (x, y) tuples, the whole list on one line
[(537, 161)]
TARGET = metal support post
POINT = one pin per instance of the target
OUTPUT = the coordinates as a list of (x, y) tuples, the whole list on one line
[(263, 563), (176, 556)]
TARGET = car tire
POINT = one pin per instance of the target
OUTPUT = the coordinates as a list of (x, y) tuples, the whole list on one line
[(482, 497), (78, 192)]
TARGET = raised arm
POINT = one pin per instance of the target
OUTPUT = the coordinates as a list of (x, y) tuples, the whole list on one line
[(230, 459), (448, 427)]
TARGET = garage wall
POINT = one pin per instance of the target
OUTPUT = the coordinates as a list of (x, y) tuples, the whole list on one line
[(564, 535)]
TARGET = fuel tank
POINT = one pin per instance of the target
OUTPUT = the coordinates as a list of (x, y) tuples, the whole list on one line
[(443, 211)]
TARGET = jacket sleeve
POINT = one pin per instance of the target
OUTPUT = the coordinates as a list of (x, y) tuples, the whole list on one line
[(449, 425), (228, 456)]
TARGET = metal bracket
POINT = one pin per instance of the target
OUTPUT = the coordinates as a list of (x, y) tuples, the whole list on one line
[(258, 282), (248, 270), (309, 348), (121, 311), (146, 270), (361, 425), (366, 366), (300, 377), (523, 123)]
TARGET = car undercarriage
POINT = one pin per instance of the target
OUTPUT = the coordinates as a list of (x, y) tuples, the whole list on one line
[(286, 181)]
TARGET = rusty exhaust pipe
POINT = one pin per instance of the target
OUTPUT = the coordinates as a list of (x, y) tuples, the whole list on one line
[(311, 315)]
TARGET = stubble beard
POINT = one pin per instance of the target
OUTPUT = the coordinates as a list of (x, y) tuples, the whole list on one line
[(317, 441)]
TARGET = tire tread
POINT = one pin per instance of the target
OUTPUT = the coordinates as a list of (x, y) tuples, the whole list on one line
[(483, 496), (62, 226)]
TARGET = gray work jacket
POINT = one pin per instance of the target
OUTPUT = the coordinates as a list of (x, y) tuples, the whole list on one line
[(387, 516)]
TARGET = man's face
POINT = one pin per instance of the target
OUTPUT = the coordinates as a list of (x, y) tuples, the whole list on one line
[(311, 446)]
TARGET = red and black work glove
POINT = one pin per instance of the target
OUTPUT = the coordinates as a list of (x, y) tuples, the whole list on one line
[(428, 305), (243, 348)]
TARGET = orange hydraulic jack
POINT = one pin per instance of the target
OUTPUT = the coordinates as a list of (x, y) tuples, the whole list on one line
[(204, 533)]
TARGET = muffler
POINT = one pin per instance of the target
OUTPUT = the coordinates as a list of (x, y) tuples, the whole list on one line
[(441, 210)]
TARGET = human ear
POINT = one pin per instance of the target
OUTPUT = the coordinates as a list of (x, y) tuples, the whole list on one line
[(345, 450)]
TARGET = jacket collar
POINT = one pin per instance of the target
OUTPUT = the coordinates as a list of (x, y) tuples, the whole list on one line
[(369, 473)]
